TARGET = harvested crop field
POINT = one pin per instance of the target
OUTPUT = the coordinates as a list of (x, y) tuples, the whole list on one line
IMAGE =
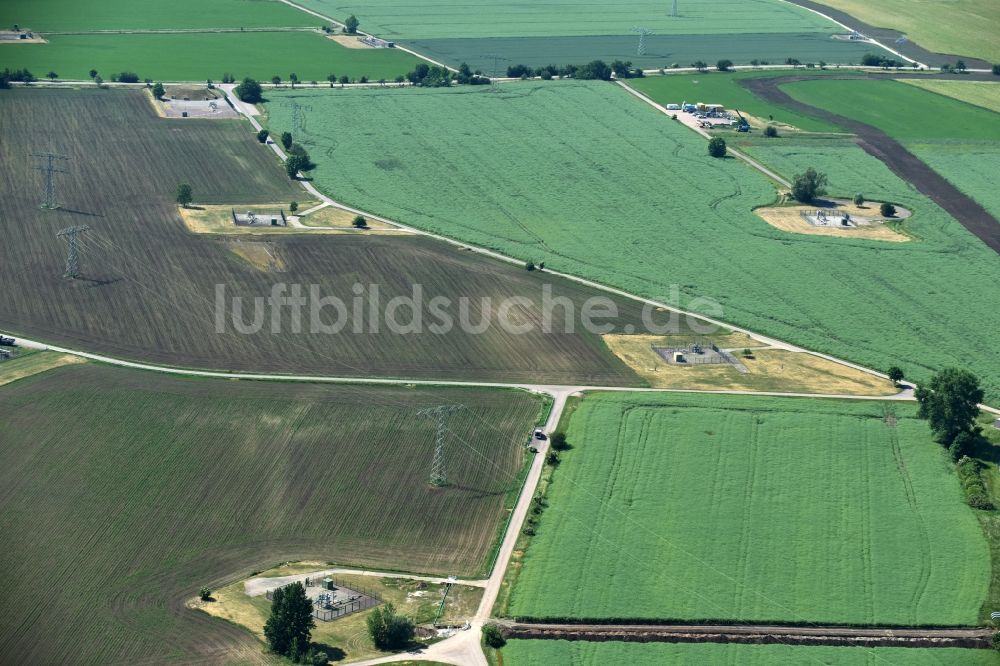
[(147, 487), (149, 287), (708, 508), (584, 653), (671, 211)]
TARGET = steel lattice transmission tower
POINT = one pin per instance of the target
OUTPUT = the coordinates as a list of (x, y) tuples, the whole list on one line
[(72, 257), (642, 39), (439, 468), (673, 10), (48, 169), (494, 83)]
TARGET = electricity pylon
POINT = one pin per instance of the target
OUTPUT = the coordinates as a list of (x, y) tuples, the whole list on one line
[(642, 39), (48, 169), (439, 469), (72, 258)]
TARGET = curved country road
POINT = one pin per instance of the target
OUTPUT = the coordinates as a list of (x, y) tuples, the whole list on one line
[(901, 161)]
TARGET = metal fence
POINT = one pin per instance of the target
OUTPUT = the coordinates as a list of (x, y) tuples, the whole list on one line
[(327, 608)]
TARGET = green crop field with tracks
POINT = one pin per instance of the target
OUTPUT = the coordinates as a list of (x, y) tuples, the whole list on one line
[(132, 489), (595, 183), (753, 510), (583, 653), (206, 55)]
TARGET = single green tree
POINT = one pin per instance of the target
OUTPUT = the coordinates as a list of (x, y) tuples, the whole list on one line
[(950, 403), (887, 210), (724, 65), (859, 199), (286, 140), (809, 185), (294, 78), (558, 441), (294, 206), (293, 165), (895, 374), (276, 80), (492, 636), (345, 79), (388, 629), (93, 73), (249, 91), (158, 90), (332, 78), (262, 136), (529, 265), (98, 80), (289, 627), (700, 65), (996, 71), (184, 195), (52, 76), (205, 593), (360, 222), (717, 147), (770, 131), (960, 66), (351, 24)]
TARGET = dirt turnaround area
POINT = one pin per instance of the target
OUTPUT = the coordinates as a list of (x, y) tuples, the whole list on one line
[(902, 162), (972, 637)]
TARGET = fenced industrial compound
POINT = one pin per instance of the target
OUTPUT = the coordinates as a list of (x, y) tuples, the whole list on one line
[(699, 353), (332, 599), (376, 42), (823, 218), (257, 219)]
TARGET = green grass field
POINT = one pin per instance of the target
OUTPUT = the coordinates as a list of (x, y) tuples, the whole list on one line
[(149, 285), (592, 181), (584, 653), (125, 491), (200, 56), (87, 15), (972, 167), (965, 26), (724, 88), (485, 18), (753, 509), (903, 112), (981, 93)]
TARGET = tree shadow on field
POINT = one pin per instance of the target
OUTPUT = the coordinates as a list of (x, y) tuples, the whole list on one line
[(475, 493), (985, 450), (73, 211), (334, 653)]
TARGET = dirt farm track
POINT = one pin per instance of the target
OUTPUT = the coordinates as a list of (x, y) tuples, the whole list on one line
[(901, 161)]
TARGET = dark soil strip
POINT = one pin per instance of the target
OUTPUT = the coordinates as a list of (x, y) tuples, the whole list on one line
[(902, 162), (888, 36), (974, 637)]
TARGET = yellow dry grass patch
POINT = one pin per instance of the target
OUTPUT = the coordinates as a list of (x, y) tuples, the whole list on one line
[(217, 219), (33, 364), (349, 41), (348, 633), (332, 217), (980, 93), (769, 370), (262, 256), (789, 218)]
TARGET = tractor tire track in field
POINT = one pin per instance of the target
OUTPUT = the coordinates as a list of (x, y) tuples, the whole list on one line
[(918, 519), (900, 161)]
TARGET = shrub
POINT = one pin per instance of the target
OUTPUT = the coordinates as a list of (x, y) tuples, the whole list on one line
[(388, 629), (529, 265), (996, 70), (125, 77), (553, 458), (995, 641), (249, 91), (969, 473), (887, 210), (262, 136), (770, 131), (286, 140), (492, 636), (859, 199), (717, 147)]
